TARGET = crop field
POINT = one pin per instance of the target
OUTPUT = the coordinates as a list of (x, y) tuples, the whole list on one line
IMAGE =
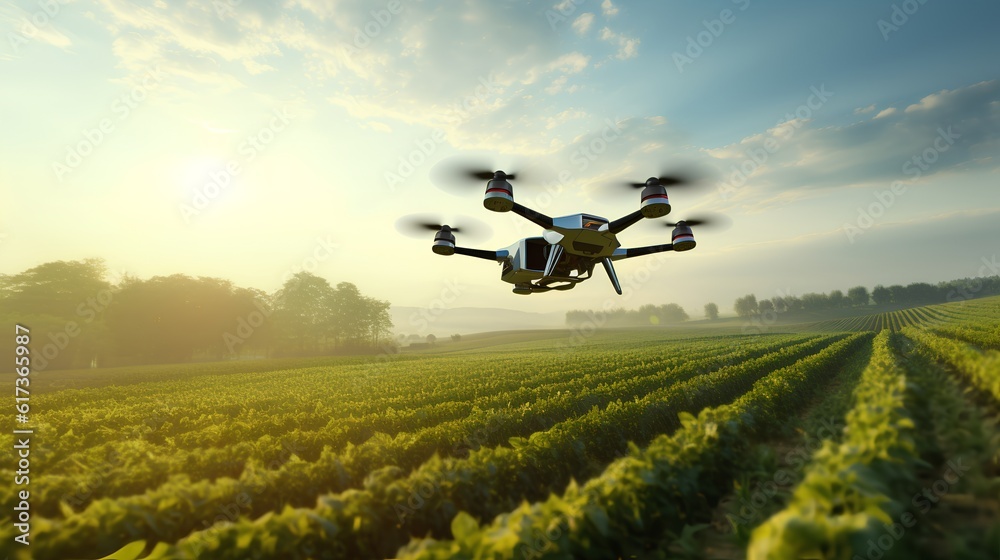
[(869, 437)]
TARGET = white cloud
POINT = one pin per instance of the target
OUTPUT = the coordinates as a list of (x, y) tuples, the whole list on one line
[(582, 24), (863, 110), (803, 159), (21, 30), (557, 85), (571, 63), (419, 67), (608, 8), (929, 102), (628, 47)]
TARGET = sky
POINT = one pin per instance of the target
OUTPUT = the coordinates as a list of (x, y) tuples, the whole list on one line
[(850, 143)]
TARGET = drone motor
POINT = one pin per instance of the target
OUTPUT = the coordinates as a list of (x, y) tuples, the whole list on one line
[(444, 242), (499, 193), (683, 237), (654, 201)]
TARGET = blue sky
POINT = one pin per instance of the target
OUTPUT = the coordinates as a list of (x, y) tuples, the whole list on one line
[(314, 106)]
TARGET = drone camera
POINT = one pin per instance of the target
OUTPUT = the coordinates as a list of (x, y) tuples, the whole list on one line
[(499, 196), (654, 202), (444, 242), (683, 238)]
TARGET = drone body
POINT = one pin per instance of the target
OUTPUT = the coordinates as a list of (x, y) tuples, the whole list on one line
[(570, 246)]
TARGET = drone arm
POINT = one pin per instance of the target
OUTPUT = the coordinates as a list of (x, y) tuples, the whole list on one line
[(619, 225), (532, 216), (481, 254), (640, 251)]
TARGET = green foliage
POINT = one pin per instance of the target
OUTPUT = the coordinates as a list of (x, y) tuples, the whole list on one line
[(620, 447), (844, 497)]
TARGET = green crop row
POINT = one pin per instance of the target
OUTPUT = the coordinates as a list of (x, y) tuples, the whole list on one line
[(980, 369), (844, 495), (198, 505), (426, 501), (136, 467), (640, 497)]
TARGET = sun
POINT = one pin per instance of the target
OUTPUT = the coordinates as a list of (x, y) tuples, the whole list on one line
[(194, 172)]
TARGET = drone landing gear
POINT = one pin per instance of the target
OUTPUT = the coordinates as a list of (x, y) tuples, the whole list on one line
[(610, 269), (555, 253)]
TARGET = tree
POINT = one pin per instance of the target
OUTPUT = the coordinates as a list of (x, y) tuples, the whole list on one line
[(711, 311), (64, 303), (456, 337), (746, 306), (252, 332), (898, 295), (881, 295), (858, 295), (921, 292), (303, 312), (672, 313), (431, 338), (765, 306), (378, 321), (56, 288), (172, 318), (815, 302), (792, 303), (836, 299)]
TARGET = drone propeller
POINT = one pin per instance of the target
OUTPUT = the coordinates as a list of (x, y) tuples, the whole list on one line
[(461, 174), (664, 180), (711, 221), (416, 224), (683, 176), (485, 174)]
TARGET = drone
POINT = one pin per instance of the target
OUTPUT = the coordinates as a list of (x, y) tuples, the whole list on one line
[(570, 247)]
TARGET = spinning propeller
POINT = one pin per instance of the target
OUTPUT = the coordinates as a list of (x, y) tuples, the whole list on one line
[(684, 177), (416, 225), (485, 174), (664, 181), (710, 221), (461, 174), (687, 175)]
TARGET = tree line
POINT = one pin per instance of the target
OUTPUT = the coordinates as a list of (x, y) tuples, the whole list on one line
[(78, 318), (915, 294), (644, 316)]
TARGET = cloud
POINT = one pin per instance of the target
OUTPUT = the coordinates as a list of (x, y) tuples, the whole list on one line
[(628, 47), (582, 24), (608, 9), (863, 110), (952, 128), (22, 28), (422, 65)]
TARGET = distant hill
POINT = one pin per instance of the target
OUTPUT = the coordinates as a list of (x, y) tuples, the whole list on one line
[(467, 320)]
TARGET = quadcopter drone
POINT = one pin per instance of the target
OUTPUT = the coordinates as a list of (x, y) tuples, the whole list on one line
[(570, 246)]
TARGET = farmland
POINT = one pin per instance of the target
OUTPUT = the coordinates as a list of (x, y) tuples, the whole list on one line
[(870, 436)]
